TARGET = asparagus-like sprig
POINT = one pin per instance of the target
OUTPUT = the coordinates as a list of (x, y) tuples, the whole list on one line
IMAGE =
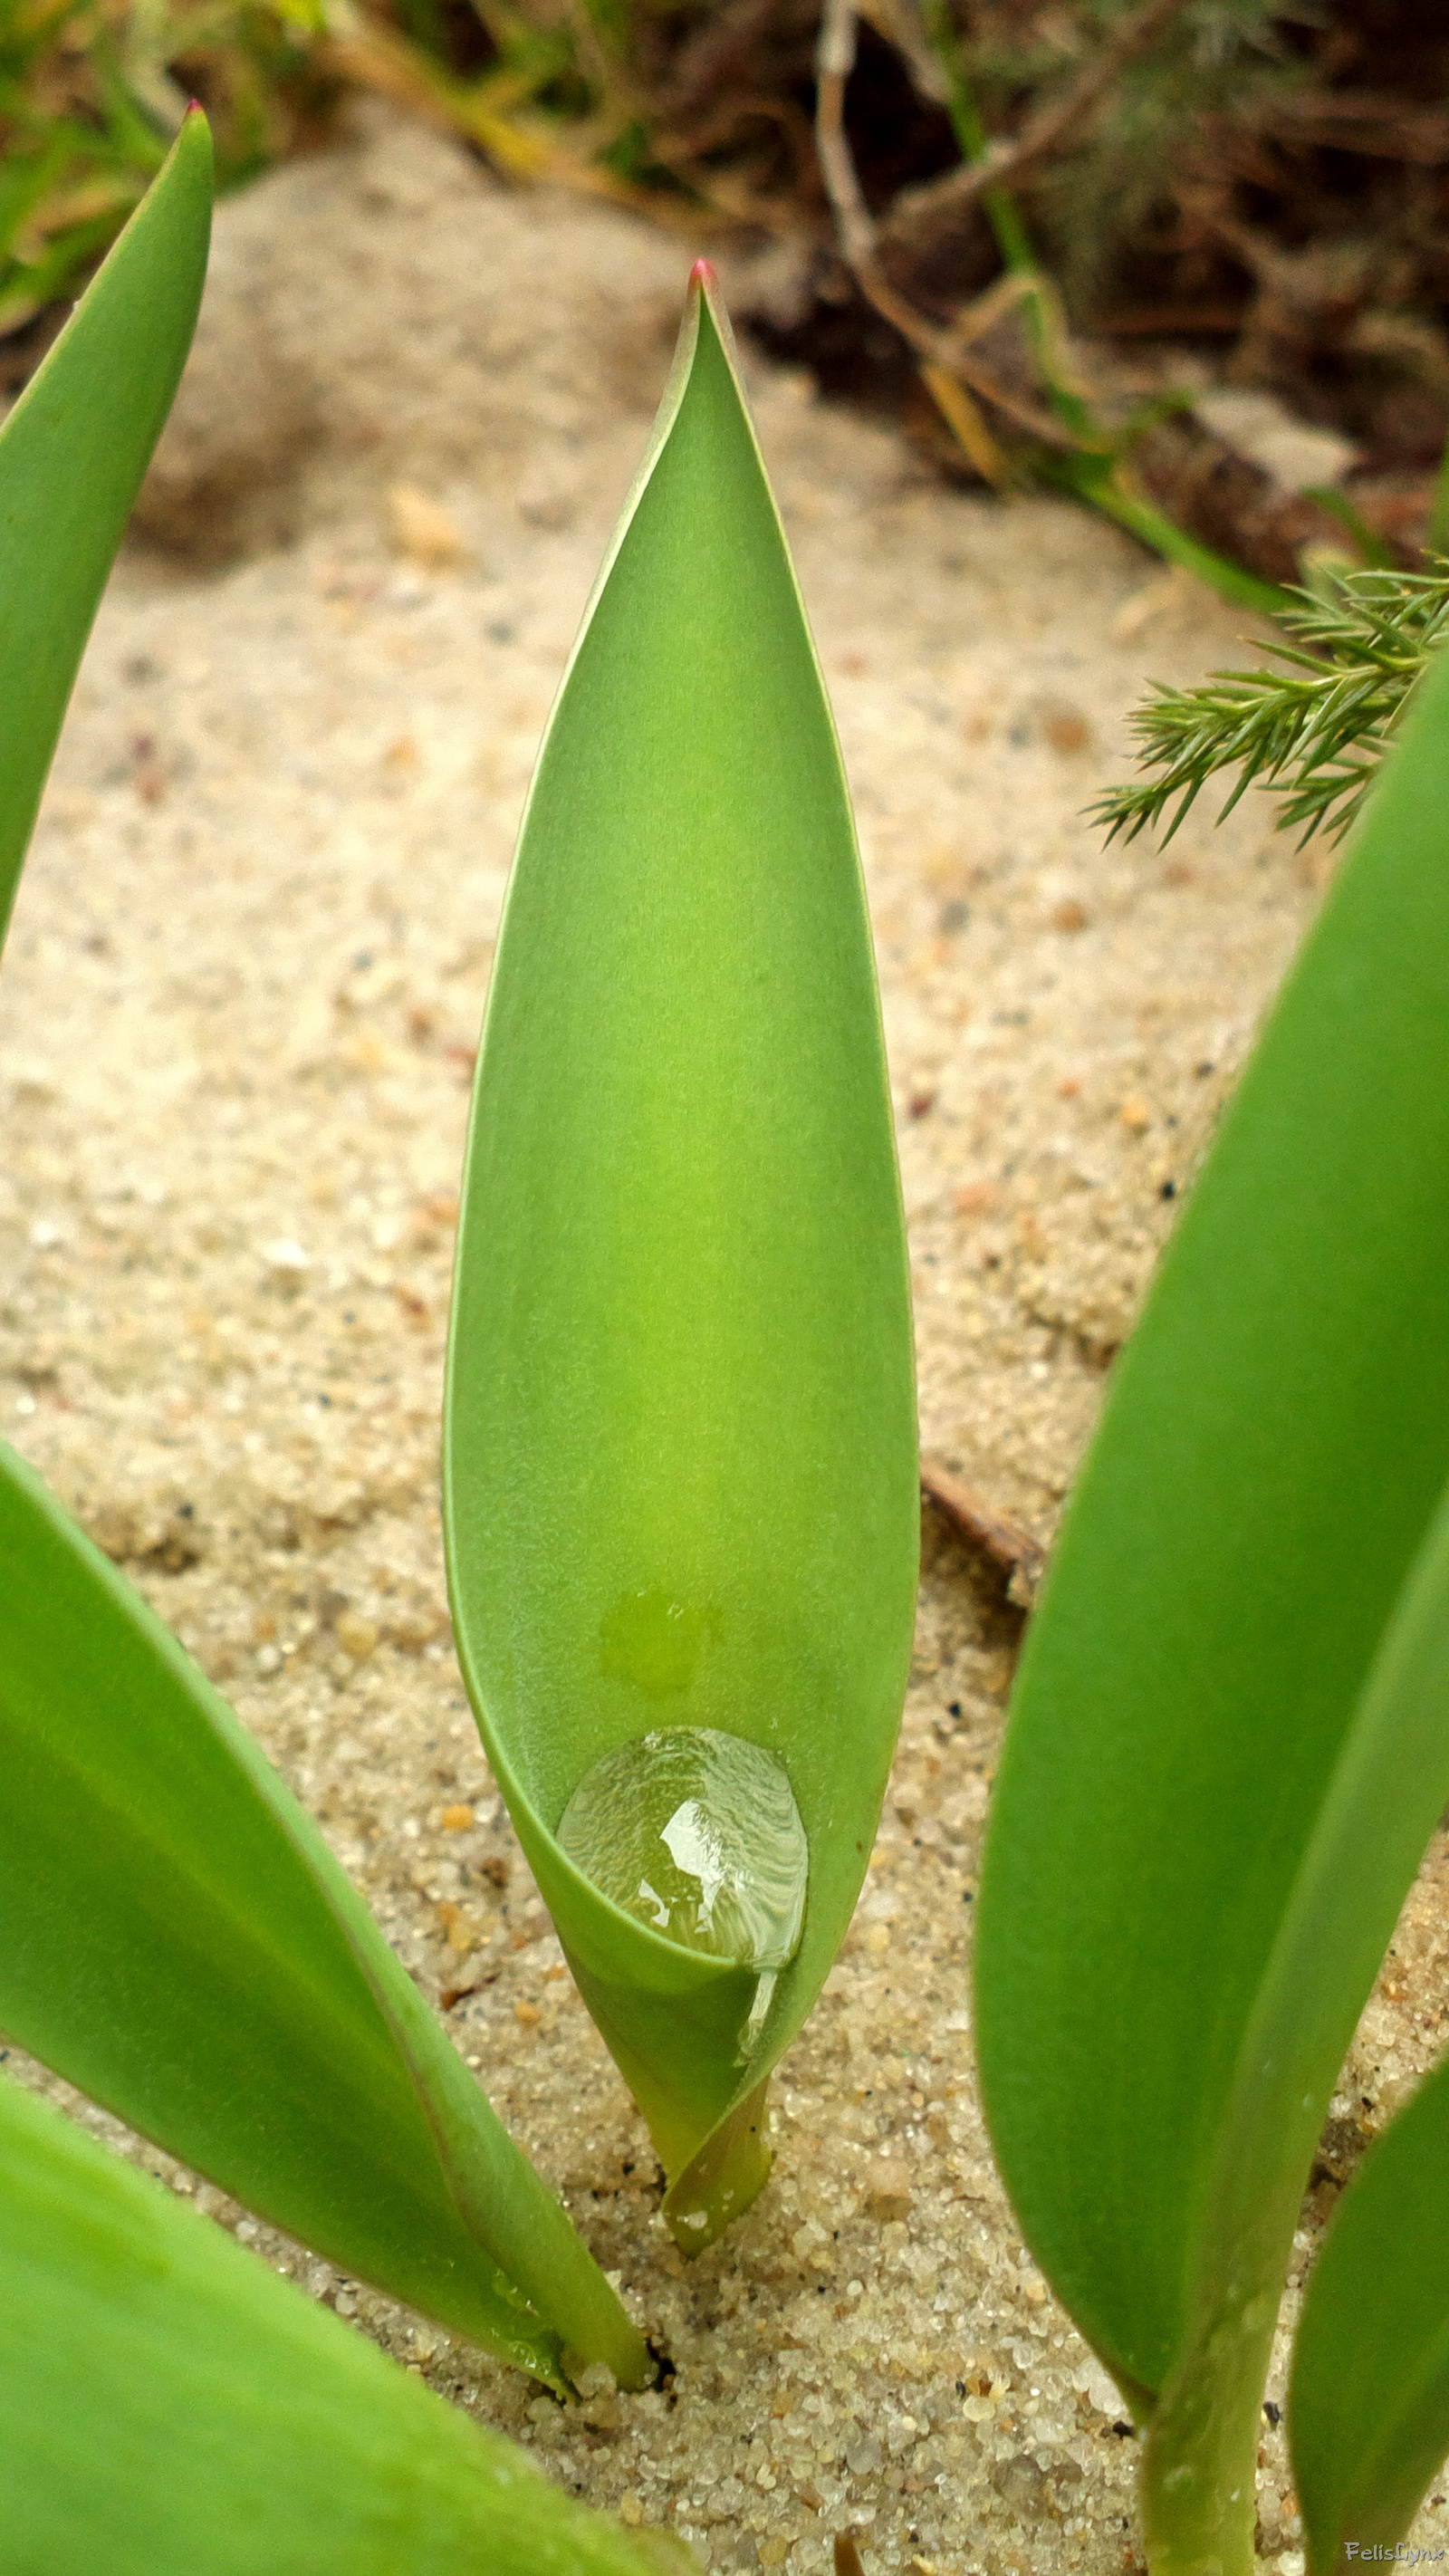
[(1312, 731)]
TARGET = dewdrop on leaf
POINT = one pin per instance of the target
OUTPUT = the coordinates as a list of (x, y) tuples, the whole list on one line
[(697, 1834)]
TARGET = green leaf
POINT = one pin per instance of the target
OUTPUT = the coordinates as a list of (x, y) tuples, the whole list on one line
[(1210, 1803), (168, 2407), (1368, 2403), (680, 1473), (175, 1936), (177, 1940), (72, 454)]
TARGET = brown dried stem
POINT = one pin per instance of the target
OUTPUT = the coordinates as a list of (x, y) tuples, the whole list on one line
[(940, 349), (1011, 1549)]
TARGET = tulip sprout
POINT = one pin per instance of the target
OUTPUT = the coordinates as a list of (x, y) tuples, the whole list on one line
[(680, 1478)]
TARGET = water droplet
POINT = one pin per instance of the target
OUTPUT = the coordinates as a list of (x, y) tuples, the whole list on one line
[(697, 1834)]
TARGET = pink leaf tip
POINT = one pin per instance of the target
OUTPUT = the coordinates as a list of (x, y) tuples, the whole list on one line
[(702, 273)]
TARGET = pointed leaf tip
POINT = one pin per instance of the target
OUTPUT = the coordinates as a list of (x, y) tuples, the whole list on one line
[(72, 453), (703, 274)]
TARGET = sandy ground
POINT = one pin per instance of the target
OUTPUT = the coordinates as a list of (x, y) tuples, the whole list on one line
[(236, 1033)]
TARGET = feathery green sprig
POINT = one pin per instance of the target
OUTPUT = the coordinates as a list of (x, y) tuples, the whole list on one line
[(1313, 731)]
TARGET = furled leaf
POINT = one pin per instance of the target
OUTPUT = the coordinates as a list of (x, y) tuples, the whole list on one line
[(680, 1481), (1368, 2403), (72, 454), (177, 1939), (1210, 1803), (168, 2407)]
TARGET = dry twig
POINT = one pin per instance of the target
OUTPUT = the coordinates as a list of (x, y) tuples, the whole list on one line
[(1010, 1548), (941, 349)]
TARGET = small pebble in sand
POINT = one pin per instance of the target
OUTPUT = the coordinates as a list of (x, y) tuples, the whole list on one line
[(887, 2193), (422, 530), (1065, 727), (285, 1257)]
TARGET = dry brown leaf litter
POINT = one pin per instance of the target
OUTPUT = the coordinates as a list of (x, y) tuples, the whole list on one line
[(236, 1033)]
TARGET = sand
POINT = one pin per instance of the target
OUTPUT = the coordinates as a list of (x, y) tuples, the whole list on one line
[(237, 1025)]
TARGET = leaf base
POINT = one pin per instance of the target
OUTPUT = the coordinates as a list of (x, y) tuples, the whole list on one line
[(719, 2183), (1197, 2493)]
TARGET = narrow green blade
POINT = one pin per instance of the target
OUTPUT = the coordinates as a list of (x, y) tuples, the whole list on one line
[(168, 2407), (1368, 2403), (680, 1479), (1191, 1707), (1388, 1789), (72, 454), (177, 1940)]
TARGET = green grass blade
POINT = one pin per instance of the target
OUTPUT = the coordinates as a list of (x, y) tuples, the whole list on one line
[(680, 1480), (1192, 1705), (168, 2407), (1388, 1789), (72, 454), (177, 1940), (1368, 2402)]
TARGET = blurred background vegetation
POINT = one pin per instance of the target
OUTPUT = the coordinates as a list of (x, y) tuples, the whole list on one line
[(1048, 236)]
